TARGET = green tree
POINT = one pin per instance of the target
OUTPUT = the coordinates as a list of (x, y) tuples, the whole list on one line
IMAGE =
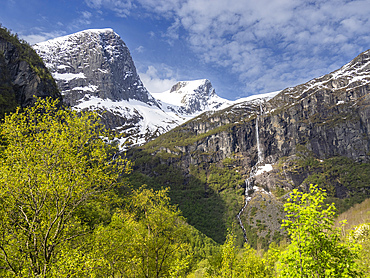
[(229, 257), (361, 235), (243, 262), (316, 249), (53, 162), (147, 239)]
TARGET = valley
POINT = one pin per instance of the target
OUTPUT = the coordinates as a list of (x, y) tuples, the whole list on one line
[(221, 172)]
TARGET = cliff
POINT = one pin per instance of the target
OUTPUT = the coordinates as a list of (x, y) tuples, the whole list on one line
[(315, 132), (23, 75)]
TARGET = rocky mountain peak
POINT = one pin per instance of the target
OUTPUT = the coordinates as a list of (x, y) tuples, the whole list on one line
[(191, 97), (202, 88), (93, 63)]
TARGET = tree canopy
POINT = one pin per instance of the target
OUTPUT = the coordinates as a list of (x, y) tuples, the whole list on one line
[(316, 248), (53, 162)]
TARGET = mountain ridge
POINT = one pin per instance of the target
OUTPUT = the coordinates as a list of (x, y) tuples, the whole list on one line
[(316, 132), (94, 70)]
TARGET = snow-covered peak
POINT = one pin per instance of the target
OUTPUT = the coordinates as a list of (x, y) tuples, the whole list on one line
[(202, 86), (191, 98), (94, 58), (68, 38), (353, 74)]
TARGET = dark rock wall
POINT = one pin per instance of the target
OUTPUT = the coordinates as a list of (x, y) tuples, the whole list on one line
[(26, 74)]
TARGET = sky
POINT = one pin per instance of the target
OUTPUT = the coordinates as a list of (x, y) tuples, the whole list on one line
[(244, 47)]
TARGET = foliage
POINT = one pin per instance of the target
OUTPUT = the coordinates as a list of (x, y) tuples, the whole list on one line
[(361, 235), (345, 180), (147, 239), (209, 196), (316, 249), (243, 263), (54, 162)]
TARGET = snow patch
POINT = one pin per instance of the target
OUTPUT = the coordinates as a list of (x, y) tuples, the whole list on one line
[(62, 67), (151, 120), (90, 88), (264, 168), (68, 76)]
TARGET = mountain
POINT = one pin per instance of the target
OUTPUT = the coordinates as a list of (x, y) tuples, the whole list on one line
[(317, 132), (94, 70), (93, 63), (23, 75), (190, 98)]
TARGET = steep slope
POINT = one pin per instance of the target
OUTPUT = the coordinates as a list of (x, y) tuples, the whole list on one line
[(190, 98), (22, 74), (205, 182), (315, 132), (94, 62), (94, 70)]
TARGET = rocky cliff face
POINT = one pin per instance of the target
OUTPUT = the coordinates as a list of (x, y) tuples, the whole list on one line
[(328, 115), (93, 63), (316, 132), (22, 74), (94, 70)]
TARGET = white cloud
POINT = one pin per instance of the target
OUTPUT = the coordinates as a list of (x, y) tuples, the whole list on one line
[(41, 36), (269, 44), (83, 20), (158, 80), (173, 31), (140, 49)]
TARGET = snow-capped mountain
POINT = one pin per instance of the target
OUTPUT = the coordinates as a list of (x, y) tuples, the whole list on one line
[(93, 62), (94, 70), (188, 98)]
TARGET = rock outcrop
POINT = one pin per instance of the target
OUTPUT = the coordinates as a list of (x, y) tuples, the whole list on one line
[(22, 74), (93, 63), (94, 70)]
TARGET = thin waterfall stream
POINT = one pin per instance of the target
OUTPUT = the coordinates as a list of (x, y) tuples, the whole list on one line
[(249, 181)]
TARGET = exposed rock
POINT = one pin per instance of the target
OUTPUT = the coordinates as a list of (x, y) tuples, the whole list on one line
[(23, 74), (94, 70), (95, 63), (323, 118)]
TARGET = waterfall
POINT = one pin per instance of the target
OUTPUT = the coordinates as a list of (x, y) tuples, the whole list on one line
[(249, 181), (259, 151)]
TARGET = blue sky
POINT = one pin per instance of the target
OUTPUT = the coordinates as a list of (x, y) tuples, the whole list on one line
[(244, 47)]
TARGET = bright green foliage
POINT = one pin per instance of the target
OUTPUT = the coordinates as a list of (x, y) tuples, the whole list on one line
[(53, 162), (316, 249), (361, 235), (148, 239), (251, 265), (229, 257), (244, 263)]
